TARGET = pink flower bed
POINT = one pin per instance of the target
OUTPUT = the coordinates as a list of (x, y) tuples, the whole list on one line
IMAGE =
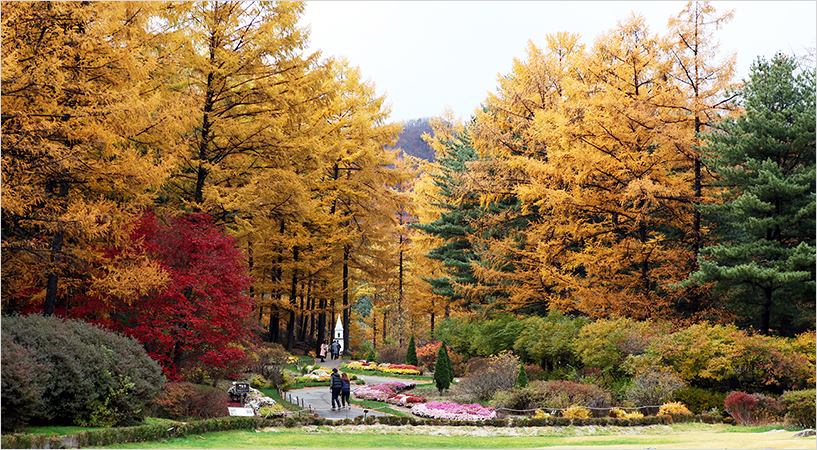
[(405, 400), (453, 411), (381, 392), (391, 392)]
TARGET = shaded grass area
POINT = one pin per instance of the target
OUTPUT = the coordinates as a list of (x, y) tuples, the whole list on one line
[(676, 436)]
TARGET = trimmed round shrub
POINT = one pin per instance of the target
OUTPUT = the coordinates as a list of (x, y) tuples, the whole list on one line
[(800, 407), (23, 381), (98, 377)]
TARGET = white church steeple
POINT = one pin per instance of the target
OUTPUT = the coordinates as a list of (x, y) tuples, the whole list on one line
[(339, 334)]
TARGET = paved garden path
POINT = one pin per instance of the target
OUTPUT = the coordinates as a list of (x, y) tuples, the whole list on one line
[(319, 399)]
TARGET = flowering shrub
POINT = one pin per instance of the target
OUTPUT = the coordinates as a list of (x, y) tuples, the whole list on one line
[(256, 400), (453, 411), (269, 411), (674, 408), (292, 359), (360, 365), (315, 373), (404, 369), (405, 400), (183, 400), (382, 392), (535, 372)]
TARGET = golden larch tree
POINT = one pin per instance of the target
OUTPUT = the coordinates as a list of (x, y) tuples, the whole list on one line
[(82, 124)]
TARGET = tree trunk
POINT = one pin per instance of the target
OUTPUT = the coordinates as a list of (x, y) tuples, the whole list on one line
[(766, 314), (292, 302), (385, 317), (274, 326), (346, 251), (275, 318), (52, 282), (321, 321)]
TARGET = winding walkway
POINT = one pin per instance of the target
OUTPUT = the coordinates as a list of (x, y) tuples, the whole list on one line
[(319, 399)]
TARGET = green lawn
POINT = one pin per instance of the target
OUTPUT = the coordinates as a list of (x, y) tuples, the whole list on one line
[(693, 436)]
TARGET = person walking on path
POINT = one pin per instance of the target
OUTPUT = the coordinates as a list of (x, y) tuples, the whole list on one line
[(323, 351), (334, 348), (335, 386), (345, 391)]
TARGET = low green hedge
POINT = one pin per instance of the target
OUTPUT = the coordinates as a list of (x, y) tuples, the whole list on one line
[(155, 432), (141, 433)]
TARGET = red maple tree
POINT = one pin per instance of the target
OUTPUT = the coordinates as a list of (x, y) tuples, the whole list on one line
[(195, 327)]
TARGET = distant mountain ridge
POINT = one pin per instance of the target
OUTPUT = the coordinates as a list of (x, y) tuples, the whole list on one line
[(411, 142)]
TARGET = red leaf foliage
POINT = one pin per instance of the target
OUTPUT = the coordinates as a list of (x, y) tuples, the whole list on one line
[(194, 325)]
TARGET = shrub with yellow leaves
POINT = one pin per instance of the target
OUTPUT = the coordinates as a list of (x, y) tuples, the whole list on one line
[(576, 412), (673, 408)]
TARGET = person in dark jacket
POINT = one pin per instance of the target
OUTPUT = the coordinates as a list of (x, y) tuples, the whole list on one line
[(345, 391), (335, 386)]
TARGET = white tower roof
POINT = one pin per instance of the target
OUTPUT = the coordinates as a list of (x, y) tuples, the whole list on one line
[(339, 326)]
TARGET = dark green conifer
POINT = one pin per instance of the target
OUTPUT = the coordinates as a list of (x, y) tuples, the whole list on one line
[(763, 257), (411, 353), (522, 379), (443, 372), (453, 226)]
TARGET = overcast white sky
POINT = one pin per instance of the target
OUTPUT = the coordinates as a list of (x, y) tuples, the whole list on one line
[(429, 55)]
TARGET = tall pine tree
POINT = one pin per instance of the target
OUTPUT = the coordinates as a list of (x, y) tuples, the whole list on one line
[(764, 256), (458, 209)]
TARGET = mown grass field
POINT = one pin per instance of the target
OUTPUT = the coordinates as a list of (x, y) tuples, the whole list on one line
[(690, 436)]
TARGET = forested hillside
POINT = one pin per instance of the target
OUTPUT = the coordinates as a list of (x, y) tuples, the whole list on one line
[(411, 142)]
